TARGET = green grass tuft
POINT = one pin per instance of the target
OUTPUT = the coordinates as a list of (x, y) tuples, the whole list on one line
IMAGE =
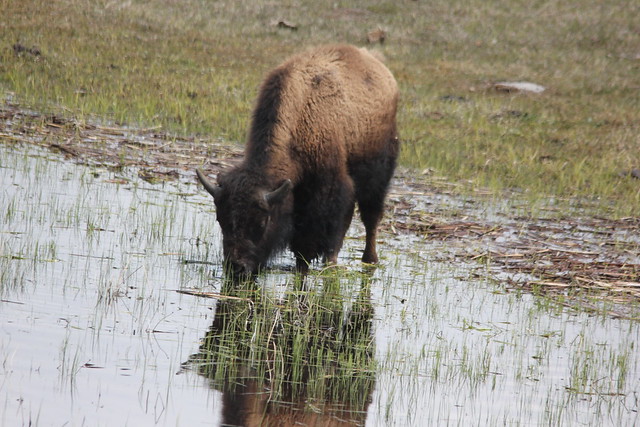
[(194, 67)]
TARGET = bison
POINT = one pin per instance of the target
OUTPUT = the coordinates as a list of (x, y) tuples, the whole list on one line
[(323, 137)]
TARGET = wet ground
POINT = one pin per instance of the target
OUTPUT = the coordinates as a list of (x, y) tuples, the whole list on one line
[(108, 249), (548, 249)]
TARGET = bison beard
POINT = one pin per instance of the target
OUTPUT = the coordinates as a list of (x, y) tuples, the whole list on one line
[(322, 138)]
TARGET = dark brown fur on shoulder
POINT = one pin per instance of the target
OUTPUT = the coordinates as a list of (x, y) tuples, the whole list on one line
[(323, 137)]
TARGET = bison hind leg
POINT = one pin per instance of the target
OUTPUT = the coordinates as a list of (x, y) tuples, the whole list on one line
[(371, 189), (371, 215)]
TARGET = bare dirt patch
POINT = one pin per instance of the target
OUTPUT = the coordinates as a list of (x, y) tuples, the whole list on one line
[(157, 155)]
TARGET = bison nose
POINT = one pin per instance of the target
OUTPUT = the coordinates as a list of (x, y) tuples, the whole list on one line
[(240, 268)]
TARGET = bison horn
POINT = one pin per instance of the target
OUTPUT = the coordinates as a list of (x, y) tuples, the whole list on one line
[(214, 190), (279, 193)]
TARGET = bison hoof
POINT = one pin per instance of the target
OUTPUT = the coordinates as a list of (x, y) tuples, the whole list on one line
[(370, 258)]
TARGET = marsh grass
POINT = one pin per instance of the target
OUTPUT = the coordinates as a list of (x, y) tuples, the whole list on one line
[(194, 67), (408, 343), (311, 351)]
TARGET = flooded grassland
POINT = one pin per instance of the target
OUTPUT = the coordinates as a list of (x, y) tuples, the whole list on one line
[(94, 330)]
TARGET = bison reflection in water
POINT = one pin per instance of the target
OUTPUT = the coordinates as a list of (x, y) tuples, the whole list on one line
[(323, 137), (295, 363)]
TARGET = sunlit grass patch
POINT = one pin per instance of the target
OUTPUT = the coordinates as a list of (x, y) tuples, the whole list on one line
[(194, 68)]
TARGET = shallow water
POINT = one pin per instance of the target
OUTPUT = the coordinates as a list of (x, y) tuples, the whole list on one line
[(94, 333)]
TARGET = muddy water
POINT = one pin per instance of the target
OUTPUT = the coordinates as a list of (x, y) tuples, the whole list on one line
[(93, 332)]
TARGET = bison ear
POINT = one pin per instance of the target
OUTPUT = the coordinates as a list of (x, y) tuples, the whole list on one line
[(213, 189), (277, 195)]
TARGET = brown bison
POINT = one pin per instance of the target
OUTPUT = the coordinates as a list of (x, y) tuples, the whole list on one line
[(323, 136)]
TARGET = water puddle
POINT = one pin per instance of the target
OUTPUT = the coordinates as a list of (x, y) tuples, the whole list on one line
[(94, 332)]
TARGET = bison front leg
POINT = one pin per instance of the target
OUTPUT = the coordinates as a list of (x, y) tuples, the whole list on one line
[(332, 257), (322, 217), (302, 264), (340, 205)]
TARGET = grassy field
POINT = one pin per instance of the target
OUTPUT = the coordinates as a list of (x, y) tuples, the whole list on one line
[(193, 67)]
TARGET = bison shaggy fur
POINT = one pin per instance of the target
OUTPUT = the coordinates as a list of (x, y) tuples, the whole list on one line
[(323, 137)]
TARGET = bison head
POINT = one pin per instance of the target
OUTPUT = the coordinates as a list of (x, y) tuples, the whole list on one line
[(254, 219)]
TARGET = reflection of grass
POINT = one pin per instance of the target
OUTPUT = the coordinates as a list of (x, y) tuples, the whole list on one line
[(587, 365), (291, 359), (70, 363), (194, 67), (446, 351)]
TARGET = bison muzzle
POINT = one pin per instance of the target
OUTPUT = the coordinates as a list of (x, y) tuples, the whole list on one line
[(322, 137)]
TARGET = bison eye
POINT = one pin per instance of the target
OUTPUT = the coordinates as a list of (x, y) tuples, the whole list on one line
[(259, 228)]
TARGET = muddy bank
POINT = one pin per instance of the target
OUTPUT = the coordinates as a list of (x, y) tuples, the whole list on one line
[(585, 261)]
